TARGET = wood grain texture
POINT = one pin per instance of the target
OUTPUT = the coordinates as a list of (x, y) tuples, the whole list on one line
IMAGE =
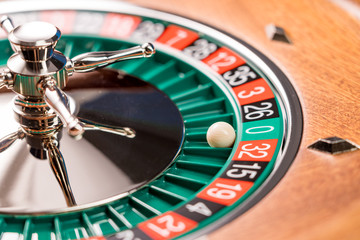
[(319, 197)]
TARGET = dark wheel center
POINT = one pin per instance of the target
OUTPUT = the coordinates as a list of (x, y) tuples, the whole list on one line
[(102, 166)]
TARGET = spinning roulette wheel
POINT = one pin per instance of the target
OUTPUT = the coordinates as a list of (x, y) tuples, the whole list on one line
[(144, 168)]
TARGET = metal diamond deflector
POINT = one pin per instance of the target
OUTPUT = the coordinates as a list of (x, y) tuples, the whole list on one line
[(333, 145), (276, 33)]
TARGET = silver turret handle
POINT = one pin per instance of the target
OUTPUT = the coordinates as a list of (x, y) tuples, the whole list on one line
[(121, 131), (58, 167), (91, 61), (57, 100), (6, 24), (8, 140)]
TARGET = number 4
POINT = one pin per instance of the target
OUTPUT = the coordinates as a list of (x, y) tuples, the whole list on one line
[(199, 207)]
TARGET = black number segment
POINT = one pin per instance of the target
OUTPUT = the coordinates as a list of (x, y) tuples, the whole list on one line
[(134, 234), (244, 170), (265, 109), (199, 209), (148, 31), (240, 75), (200, 49)]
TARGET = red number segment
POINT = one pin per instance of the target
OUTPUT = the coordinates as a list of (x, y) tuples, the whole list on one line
[(223, 60), (257, 150), (64, 20), (225, 191), (167, 226), (119, 26), (254, 91), (177, 37)]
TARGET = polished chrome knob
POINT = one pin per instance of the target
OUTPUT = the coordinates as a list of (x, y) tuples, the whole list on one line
[(34, 41)]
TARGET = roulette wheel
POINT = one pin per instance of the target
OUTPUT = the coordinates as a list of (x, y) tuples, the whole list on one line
[(282, 74)]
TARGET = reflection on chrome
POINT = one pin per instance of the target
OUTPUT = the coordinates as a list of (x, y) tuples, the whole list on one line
[(122, 131), (8, 140), (57, 164)]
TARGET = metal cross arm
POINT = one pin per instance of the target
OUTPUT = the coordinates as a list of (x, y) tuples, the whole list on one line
[(35, 61), (37, 73)]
